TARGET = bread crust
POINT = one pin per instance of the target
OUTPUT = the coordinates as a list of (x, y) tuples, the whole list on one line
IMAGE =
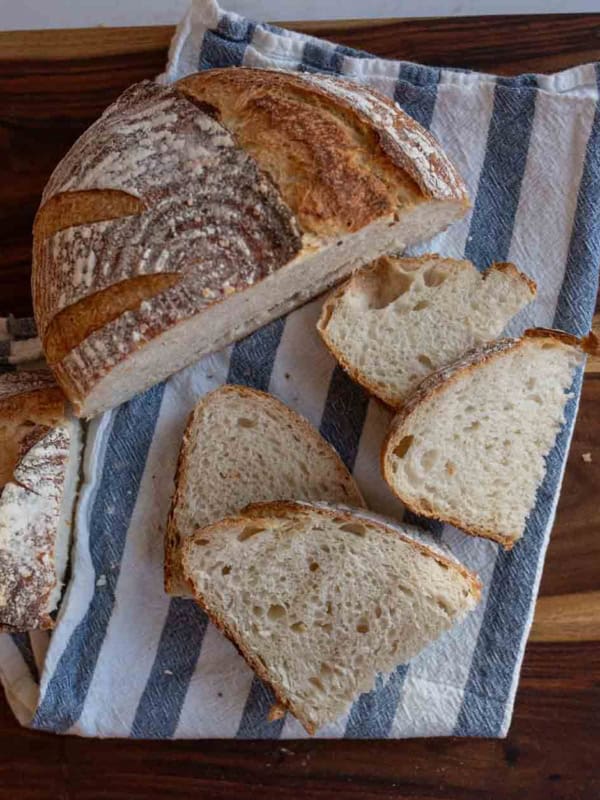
[(31, 488), (314, 111), (278, 509), (333, 300), (173, 538), (438, 382)]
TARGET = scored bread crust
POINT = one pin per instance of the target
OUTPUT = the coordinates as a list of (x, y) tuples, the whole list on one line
[(173, 537), (98, 301), (279, 509), (31, 497), (401, 142), (437, 383), (333, 300)]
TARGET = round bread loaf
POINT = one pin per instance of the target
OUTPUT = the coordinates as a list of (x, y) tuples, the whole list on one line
[(188, 216)]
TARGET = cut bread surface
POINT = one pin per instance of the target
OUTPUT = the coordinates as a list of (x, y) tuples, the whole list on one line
[(469, 446), (319, 600), (184, 219), (242, 446), (400, 319)]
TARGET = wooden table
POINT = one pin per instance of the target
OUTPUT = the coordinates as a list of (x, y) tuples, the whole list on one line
[(52, 85)]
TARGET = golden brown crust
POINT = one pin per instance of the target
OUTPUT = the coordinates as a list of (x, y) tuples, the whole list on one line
[(305, 429), (280, 509), (389, 399), (337, 150), (438, 382)]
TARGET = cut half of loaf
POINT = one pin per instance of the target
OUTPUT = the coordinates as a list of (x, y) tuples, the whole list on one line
[(320, 599), (469, 447), (39, 460), (190, 215), (400, 319), (242, 446)]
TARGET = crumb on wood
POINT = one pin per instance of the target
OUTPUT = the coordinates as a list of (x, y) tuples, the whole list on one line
[(101, 581), (168, 671), (587, 457)]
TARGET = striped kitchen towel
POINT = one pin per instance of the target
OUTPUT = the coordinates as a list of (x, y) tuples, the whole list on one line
[(125, 660)]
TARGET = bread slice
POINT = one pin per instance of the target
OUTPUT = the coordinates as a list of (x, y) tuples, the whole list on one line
[(400, 319), (469, 446), (243, 446), (39, 460), (190, 215), (320, 599)]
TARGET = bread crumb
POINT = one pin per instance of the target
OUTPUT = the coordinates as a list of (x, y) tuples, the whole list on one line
[(101, 581), (587, 457), (168, 672)]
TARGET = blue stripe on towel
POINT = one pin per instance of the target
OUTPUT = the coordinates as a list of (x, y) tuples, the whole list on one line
[(160, 705), (124, 462), (254, 723), (183, 632), (225, 47), (577, 296), (501, 175), (416, 91), (23, 644), (511, 591), (372, 715)]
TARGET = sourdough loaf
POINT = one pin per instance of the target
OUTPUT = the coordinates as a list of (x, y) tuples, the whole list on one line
[(319, 600), (242, 446), (400, 319), (188, 216), (469, 447), (39, 451)]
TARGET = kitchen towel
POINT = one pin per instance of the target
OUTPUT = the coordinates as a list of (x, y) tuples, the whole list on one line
[(124, 659)]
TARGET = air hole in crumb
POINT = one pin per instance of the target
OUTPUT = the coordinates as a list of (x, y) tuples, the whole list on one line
[(442, 604), (537, 399), (383, 285), (450, 468), (276, 612), (258, 610), (316, 682), (402, 447), (427, 362), (328, 607), (434, 276), (226, 570), (327, 626), (354, 527), (202, 541), (549, 346), (530, 383), (325, 548), (378, 611), (473, 426), (250, 530), (421, 305), (313, 566), (429, 458), (362, 627), (395, 645), (325, 669), (244, 422), (298, 627)]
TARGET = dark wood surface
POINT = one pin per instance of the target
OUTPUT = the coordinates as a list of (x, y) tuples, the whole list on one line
[(52, 85)]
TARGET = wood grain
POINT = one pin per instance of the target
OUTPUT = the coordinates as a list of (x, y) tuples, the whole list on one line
[(52, 85)]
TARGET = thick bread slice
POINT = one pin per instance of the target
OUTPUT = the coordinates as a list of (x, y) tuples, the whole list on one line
[(469, 447), (400, 319), (166, 232), (243, 446), (319, 600), (39, 457)]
